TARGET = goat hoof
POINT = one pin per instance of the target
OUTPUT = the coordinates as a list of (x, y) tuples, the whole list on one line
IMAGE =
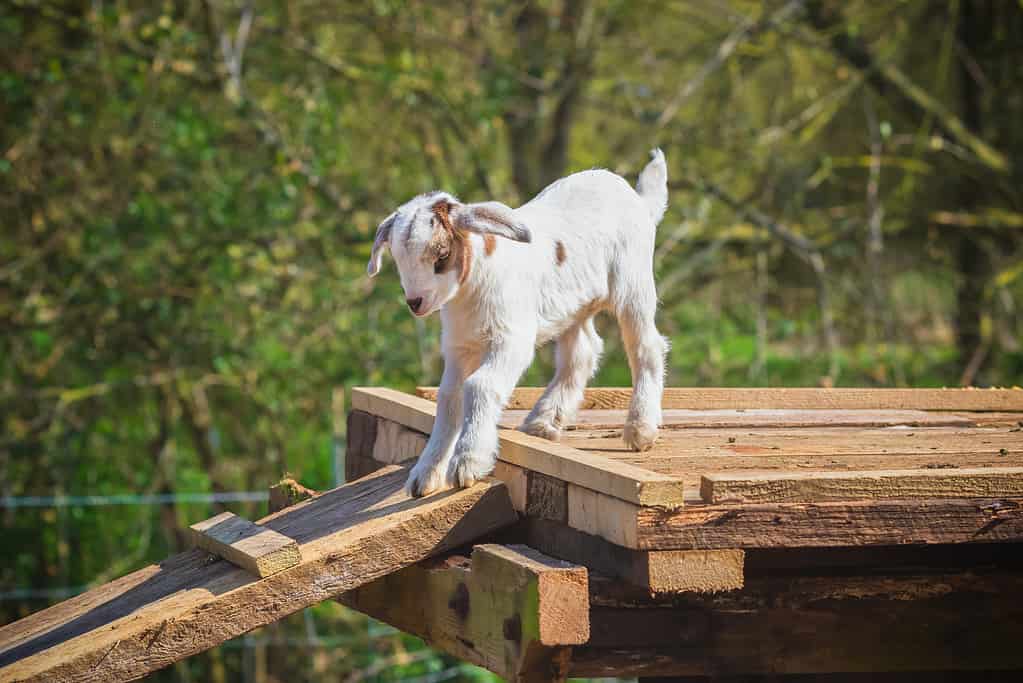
[(639, 436), (467, 472), (422, 481), (544, 430)]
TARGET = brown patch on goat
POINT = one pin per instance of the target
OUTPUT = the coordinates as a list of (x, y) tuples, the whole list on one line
[(465, 262), (451, 242), (559, 252), (489, 244)]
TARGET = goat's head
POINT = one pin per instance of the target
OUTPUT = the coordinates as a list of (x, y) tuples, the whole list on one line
[(429, 240)]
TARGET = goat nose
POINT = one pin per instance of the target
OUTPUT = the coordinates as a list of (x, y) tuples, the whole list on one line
[(414, 304)]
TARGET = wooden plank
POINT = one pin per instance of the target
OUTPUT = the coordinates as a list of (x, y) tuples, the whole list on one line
[(688, 455), (807, 442), (700, 526), (676, 418), (1008, 400), (822, 525), (163, 613), (254, 548), (808, 487), (729, 527), (658, 571), (509, 609), (917, 621), (616, 479)]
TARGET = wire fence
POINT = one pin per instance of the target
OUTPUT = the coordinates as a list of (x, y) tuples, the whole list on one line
[(132, 499)]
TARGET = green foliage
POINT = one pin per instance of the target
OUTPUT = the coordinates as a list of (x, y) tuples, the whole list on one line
[(188, 205)]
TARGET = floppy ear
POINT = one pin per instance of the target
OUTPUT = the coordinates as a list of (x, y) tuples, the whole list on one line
[(382, 239), (493, 218)]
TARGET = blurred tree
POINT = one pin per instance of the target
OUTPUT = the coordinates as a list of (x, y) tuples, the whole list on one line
[(189, 189)]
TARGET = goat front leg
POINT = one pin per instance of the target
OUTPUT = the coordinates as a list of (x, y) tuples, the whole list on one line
[(485, 394), (431, 469)]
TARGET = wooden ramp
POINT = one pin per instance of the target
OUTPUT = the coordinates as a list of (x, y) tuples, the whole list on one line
[(193, 601)]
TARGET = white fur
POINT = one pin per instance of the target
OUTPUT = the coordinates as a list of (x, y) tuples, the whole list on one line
[(520, 296)]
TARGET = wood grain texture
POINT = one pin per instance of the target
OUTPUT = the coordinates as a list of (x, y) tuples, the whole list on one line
[(657, 571), (509, 609), (687, 455), (396, 443), (922, 621), (163, 613), (809, 442), (620, 480), (808, 487), (254, 548), (676, 418), (607, 398), (361, 435), (823, 525)]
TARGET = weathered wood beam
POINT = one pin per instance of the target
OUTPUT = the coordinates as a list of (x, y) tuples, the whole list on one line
[(739, 418), (509, 609), (541, 498), (608, 476), (789, 625), (523, 398), (830, 524), (810, 487), (659, 571), (161, 614), (254, 548)]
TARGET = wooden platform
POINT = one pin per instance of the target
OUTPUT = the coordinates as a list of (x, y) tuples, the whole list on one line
[(797, 535), (904, 467)]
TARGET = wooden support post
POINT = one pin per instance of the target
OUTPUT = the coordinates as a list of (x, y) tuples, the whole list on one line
[(362, 434), (256, 549), (509, 609)]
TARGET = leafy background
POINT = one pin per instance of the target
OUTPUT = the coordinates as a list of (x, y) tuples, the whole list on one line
[(189, 189)]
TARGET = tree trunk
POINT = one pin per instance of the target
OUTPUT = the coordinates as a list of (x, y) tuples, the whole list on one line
[(972, 262)]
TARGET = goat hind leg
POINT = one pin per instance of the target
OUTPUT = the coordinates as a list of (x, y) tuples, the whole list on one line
[(576, 358), (646, 349)]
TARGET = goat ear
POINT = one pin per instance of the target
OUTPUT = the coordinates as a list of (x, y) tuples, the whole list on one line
[(490, 218), (383, 238)]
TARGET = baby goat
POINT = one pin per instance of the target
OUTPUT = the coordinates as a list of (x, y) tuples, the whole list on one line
[(583, 245)]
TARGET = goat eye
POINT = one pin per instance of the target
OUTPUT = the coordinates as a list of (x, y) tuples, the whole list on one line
[(440, 264)]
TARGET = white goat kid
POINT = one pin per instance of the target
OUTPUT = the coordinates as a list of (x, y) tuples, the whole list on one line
[(583, 245)]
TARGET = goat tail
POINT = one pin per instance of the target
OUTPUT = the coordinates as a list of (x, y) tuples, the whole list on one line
[(652, 185)]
